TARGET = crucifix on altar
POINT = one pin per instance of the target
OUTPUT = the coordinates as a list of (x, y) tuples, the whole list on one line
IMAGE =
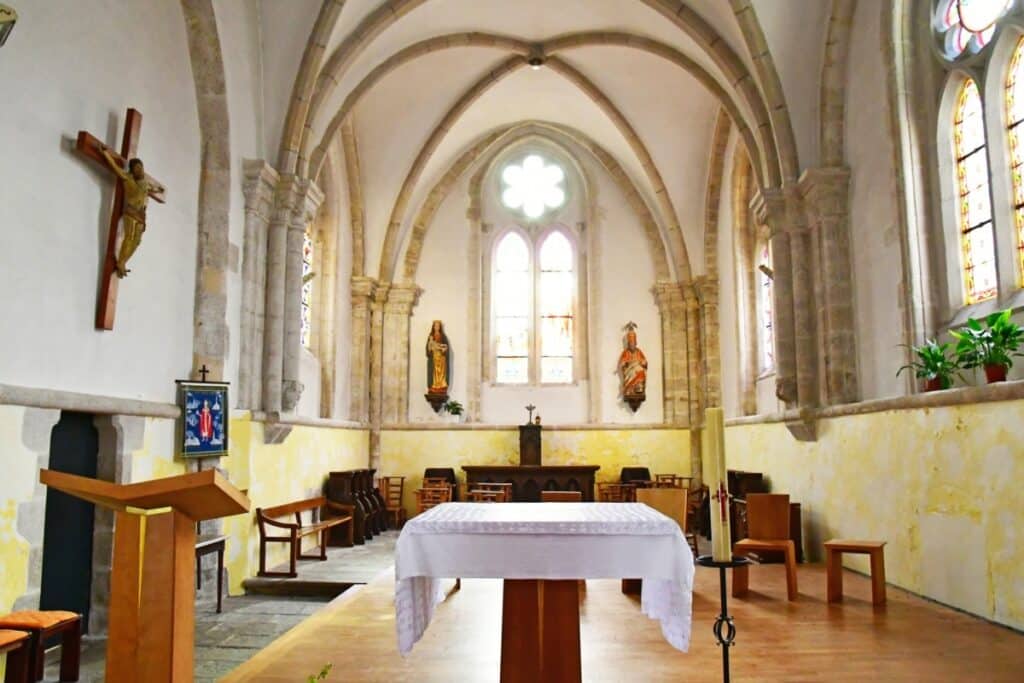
[(132, 190)]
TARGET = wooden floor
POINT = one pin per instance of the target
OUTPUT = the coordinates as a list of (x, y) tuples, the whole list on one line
[(807, 640)]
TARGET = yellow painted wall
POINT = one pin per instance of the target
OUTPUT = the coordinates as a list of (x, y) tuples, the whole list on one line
[(408, 452), (943, 486), (20, 472), (276, 474)]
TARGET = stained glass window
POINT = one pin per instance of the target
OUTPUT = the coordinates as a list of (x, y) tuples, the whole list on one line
[(532, 186), (974, 199), (1014, 117), (307, 290), (967, 26), (765, 308), (555, 300), (512, 291)]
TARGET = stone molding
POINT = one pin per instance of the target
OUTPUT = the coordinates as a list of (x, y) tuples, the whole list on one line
[(56, 399)]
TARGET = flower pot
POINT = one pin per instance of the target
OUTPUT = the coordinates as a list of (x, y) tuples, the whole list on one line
[(935, 384), (995, 373)]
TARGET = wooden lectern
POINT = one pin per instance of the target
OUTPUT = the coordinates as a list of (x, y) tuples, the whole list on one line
[(152, 608)]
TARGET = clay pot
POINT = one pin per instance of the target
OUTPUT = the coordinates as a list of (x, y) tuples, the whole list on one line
[(933, 384), (995, 373)]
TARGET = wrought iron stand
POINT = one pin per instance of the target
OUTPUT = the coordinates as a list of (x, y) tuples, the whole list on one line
[(724, 629)]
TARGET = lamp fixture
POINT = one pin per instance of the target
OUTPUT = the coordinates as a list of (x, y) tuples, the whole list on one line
[(535, 62), (7, 19)]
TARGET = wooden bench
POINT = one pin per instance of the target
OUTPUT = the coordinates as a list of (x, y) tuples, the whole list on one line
[(16, 646), (296, 530), (834, 550)]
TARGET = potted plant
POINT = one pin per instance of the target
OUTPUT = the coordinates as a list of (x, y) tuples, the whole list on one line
[(933, 364), (991, 346), (453, 408)]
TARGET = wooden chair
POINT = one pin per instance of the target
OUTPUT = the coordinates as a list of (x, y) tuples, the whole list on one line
[(694, 504), (834, 550), (505, 488), (486, 496), (207, 545), (614, 493), (265, 517), (768, 529), (435, 482), (16, 644), (391, 489), (561, 496), (41, 627), (672, 481), (429, 497), (670, 502)]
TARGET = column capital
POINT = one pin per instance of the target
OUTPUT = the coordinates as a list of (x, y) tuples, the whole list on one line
[(402, 298), (667, 295), (706, 289), (258, 182), (363, 287), (826, 189)]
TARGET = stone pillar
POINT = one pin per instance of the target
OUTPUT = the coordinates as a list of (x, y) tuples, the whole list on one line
[(707, 297), (826, 193), (694, 398), (363, 290), (475, 308), (258, 189), (376, 383), (675, 397), (285, 199), (395, 366), (307, 200), (770, 209), (804, 319)]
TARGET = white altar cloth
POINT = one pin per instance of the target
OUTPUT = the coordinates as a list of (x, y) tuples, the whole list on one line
[(543, 541)]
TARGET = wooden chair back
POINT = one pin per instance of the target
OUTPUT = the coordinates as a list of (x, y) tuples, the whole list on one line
[(427, 498), (670, 502), (768, 516), (673, 481), (391, 489), (294, 508), (486, 496), (561, 496), (505, 488), (613, 493), (435, 482)]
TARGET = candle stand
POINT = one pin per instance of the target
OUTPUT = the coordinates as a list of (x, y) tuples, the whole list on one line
[(724, 629)]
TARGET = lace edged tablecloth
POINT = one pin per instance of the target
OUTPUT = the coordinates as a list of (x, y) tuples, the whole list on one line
[(543, 541)]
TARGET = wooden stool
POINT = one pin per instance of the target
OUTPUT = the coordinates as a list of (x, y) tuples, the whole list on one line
[(16, 645), (206, 545), (43, 625), (834, 550), (741, 574)]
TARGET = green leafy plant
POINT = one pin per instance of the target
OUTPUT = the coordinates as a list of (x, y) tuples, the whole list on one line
[(322, 676), (933, 363), (452, 407), (993, 344)]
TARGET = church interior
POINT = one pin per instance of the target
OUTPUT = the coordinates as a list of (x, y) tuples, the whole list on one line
[(766, 256)]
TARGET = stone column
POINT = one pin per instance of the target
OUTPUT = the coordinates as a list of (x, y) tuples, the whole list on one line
[(258, 189), (675, 397), (285, 198), (395, 365), (694, 398), (826, 193), (363, 290), (804, 319), (307, 201), (707, 297), (475, 308), (376, 380), (770, 209)]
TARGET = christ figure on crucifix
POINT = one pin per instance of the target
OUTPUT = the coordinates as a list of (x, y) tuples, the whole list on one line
[(136, 194)]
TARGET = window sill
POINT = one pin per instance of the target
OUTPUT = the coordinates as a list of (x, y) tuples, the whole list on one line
[(1013, 301)]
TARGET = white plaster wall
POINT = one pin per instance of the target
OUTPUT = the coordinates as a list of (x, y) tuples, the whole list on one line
[(284, 30), (625, 274), (728, 306), (239, 32), (795, 32), (874, 218), (71, 66), (343, 291)]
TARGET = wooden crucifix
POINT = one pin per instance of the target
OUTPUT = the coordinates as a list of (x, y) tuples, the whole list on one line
[(130, 171)]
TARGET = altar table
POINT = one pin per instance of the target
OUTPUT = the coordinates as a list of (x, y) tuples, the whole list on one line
[(541, 550)]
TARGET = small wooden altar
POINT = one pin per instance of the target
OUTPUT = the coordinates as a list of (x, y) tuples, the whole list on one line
[(528, 481)]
